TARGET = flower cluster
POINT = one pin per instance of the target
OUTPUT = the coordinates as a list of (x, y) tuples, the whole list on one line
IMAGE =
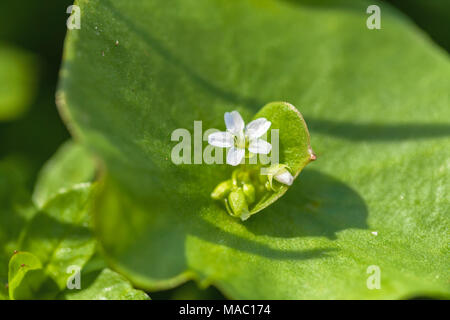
[(247, 184)]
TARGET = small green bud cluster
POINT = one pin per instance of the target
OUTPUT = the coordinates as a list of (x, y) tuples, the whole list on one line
[(247, 185), (237, 193)]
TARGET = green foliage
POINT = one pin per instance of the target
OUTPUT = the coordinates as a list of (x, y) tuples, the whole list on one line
[(69, 166), (18, 75), (59, 234), (27, 280), (101, 283), (375, 103), (106, 284), (36, 135), (27, 97), (15, 210), (25, 276), (55, 237), (295, 148)]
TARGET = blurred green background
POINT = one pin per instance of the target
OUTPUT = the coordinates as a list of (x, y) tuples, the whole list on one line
[(31, 42)]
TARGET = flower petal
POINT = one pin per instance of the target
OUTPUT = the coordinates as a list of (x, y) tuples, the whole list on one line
[(235, 155), (234, 122), (257, 128), (284, 177), (221, 139), (259, 146)]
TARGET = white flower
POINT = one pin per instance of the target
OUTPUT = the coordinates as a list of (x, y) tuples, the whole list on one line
[(238, 137)]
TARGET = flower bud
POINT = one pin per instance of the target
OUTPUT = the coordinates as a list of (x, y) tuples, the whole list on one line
[(284, 176), (280, 173), (238, 203), (222, 190), (249, 191)]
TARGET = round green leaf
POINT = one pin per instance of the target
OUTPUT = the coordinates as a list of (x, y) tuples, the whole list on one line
[(375, 101)]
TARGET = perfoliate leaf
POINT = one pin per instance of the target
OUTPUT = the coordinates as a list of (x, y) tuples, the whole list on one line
[(372, 209), (295, 149)]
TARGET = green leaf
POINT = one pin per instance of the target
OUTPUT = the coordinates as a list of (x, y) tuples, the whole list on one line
[(376, 103), (18, 73), (60, 232), (70, 165), (15, 210), (37, 134), (295, 151), (25, 275), (100, 283), (60, 235), (105, 284), (27, 279)]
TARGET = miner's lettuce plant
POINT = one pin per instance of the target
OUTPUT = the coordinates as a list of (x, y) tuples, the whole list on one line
[(375, 109), (251, 187), (43, 240), (375, 113)]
